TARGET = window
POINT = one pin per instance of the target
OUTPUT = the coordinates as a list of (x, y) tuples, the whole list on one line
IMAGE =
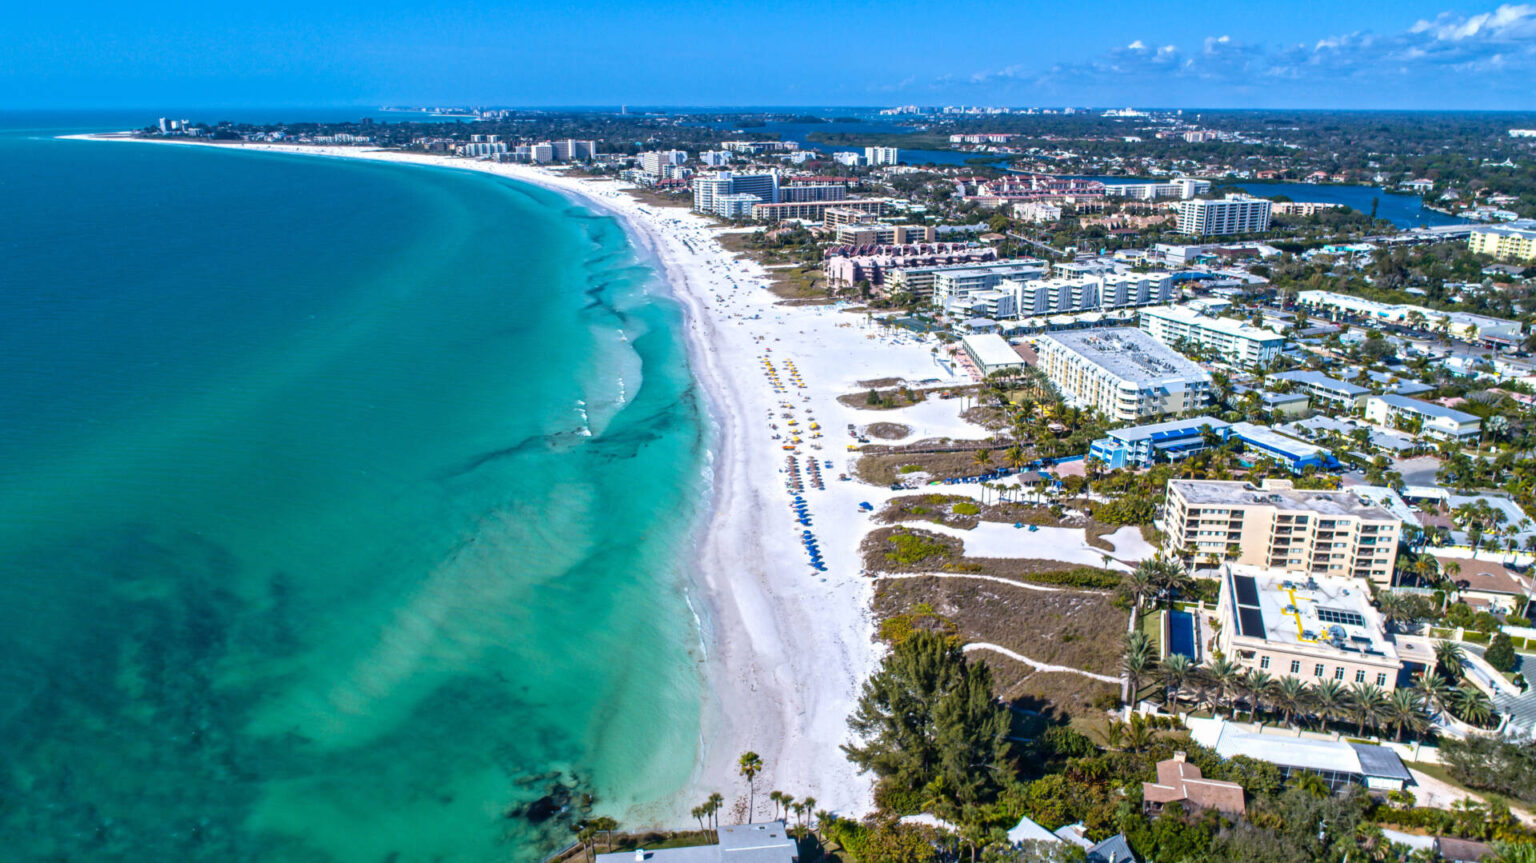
[(1295, 666), (1263, 662), (1338, 673), (1381, 679), (1360, 676), (1317, 670)]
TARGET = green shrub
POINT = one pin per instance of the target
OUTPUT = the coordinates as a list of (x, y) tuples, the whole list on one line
[(966, 508), (1501, 653), (909, 548), (1082, 576)]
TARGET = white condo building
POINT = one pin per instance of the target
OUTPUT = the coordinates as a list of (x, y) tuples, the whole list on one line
[(1236, 342), (653, 162), (1184, 188), (881, 155), (1125, 373), (1235, 214), (724, 194)]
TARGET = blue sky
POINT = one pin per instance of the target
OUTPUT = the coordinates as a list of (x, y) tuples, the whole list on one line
[(1409, 54)]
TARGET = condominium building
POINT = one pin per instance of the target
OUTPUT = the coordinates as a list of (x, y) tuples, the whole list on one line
[(710, 187), (1283, 528), (652, 162), (1123, 372), (1460, 325), (816, 211), (1513, 242), (801, 192), (1340, 395), (1432, 420), (881, 155), (955, 283), (1314, 628), (572, 150), (1235, 214), (1183, 188), (848, 158), (1236, 342), (885, 235), (715, 158)]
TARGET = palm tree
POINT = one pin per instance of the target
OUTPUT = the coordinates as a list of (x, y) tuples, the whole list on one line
[(1015, 457), (810, 809), (606, 826), (750, 764), (1257, 687), (714, 803), (1139, 584), (982, 457), (778, 799), (1175, 672), (699, 812), (1434, 693), (1138, 660), (1450, 657), (1472, 706), (1330, 701), (1290, 698), (1113, 734), (1404, 710), (1368, 704), (1139, 733), (1225, 675)]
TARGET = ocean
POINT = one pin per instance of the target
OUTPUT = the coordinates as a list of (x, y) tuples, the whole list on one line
[(346, 509)]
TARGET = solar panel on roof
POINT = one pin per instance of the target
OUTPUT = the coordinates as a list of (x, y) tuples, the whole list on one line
[(1247, 590), (1250, 622), (1333, 615)]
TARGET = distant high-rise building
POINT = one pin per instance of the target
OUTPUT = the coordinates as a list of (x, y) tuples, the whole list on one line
[(711, 191), (849, 158), (571, 150), (715, 158), (541, 153), (1237, 214), (881, 155), (652, 162)]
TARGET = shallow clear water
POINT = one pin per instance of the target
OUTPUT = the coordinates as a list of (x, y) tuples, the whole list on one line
[(344, 509)]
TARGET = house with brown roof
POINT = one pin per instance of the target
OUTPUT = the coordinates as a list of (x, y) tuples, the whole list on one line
[(1487, 585), (1180, 782)]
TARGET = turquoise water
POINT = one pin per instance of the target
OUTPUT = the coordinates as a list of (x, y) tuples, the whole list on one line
[(344, 509)]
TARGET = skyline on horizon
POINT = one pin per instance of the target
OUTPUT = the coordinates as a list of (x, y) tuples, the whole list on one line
[(1421, 55)]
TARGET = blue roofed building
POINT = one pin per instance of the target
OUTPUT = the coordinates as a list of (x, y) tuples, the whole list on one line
[(1295, 455), (1143, 446)]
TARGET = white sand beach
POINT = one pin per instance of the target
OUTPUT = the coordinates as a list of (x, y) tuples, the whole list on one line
[(788, 647)]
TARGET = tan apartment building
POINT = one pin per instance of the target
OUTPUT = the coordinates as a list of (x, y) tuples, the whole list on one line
[(1296, 531), (1314, 628)]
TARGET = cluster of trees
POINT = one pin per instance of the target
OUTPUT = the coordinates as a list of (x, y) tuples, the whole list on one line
[(1224, 686), (1491, 763)]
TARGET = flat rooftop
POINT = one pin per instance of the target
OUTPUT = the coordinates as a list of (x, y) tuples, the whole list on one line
[(1129, 354), (1321, 380), (1232, 327), (1267, 438), (1318, 611), (1234, 493), (991, 349), (1171, 428), (1429, 409)]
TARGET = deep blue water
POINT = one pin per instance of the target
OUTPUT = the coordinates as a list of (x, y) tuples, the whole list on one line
[(345, 508)]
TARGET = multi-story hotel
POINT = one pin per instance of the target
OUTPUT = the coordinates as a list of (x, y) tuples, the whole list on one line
[(1282, 528), (1237, 214), (1125, 373), (1235, 341), (710, 189), (1512, 242), (1315, 628)]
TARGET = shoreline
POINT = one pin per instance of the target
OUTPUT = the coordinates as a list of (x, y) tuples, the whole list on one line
[(785, 652)]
